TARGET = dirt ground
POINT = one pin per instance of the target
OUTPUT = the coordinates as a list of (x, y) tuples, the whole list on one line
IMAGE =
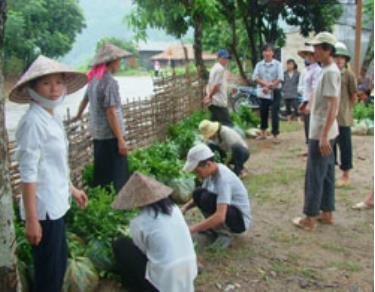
[(276, 256)]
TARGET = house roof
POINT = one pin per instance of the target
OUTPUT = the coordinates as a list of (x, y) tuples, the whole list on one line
[(149, 46), (176, 52)]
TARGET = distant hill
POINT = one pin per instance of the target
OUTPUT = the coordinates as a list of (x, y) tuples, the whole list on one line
[(104, 18)]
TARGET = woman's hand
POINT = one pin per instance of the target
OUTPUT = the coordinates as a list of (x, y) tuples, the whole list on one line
[(122, 147), (80, 197), (33, 231)]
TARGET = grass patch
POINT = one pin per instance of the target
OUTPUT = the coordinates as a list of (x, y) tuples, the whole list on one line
[(286, 127), (333, 246), (347, 265)]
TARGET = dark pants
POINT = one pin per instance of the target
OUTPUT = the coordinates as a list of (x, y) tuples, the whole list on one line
[(206, 202), (319, 181), (50, 257), (131, 264), (264, 112), (220, 114), (240, 155), (109, 165), (291, 106), (306, 121), (344, 143)]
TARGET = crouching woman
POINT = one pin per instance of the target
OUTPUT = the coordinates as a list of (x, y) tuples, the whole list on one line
[(42, 154), (160, 256)]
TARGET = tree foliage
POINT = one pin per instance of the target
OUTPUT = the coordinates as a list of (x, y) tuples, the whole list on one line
[(242, 26), (127, 45), (41, 26)]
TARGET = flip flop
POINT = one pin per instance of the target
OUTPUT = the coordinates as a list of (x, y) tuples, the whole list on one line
[(362, 206), (299, 222)]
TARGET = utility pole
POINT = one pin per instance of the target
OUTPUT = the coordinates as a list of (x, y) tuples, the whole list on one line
[(358, 34)]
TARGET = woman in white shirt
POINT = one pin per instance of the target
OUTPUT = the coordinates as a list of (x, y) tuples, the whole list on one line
[(42, 154), (160, 256)]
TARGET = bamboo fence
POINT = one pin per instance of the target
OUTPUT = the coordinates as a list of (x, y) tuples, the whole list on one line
[(146, 121)]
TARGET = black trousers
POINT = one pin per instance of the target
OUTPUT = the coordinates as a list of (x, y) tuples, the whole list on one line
[(291, 106), (220, 114), (240, 155), (206, 202), (319, 181), (50, 257), (306, 122), (265, 105), (344, 143), (109, 165), (131, 264)]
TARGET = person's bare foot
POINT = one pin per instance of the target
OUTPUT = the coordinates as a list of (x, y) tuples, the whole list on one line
[(363, 206), (343, 182), (325, 218), (308, 223)]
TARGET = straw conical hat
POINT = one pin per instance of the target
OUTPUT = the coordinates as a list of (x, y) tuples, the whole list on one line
[(140, 191), (107, 53), (43, 66)]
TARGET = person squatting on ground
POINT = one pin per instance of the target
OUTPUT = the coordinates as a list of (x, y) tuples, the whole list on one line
[(107, 126), (320, 170), (42, 155), (290, 89), (216, 91), (222, 198), (309, 83), (160, 255), (228, 143), (345, 115), (268, 74)]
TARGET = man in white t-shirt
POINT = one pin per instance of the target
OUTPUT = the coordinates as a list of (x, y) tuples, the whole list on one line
[(320, 172), (222, 199), (216, 91)]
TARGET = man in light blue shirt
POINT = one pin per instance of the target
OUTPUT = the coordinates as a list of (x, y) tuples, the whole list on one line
[(268, 74)]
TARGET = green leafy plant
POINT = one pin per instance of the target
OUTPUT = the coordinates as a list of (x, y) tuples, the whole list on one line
[(245, 118), (361, 111)]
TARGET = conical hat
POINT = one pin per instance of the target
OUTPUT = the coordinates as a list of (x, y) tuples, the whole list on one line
[(43, 66), (107, 53), (139, 191)]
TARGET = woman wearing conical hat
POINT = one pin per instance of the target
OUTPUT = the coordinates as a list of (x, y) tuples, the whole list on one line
[(107, 126), (42, 154), (160, 256)]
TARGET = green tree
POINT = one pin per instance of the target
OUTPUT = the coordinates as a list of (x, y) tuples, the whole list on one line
[(123, 44), (9, 280), (48, 27), (176, 17), (368, 13)]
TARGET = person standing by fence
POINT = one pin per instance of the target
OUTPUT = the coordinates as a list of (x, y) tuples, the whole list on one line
[(290, 88), (310, 80), (268, 74), (107, 126), (320, 171), (345, 115), (216, 91), (42, 155)]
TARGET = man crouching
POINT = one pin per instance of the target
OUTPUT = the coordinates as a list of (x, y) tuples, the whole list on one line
[(222, 198)]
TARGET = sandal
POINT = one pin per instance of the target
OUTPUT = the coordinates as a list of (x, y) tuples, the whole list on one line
[(303, 224), (362, 206)]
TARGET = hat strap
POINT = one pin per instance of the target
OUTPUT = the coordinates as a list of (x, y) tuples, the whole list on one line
[(97, 71)]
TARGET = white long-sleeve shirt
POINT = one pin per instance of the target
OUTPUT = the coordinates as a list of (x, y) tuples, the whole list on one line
[(167, 243), (42, 154), (310, 80)]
